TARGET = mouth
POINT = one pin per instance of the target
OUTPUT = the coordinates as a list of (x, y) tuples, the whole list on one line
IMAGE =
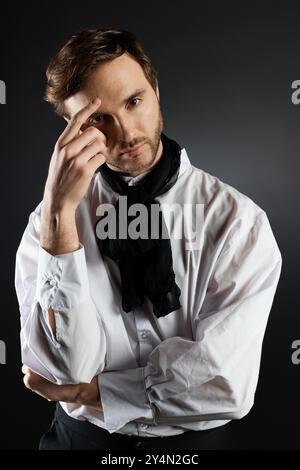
[(134, 151)]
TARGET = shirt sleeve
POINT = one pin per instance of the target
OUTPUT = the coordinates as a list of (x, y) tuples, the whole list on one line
[(78, 351), (214, 376)]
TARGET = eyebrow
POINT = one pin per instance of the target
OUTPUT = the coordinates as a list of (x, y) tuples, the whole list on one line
[(139, 91)]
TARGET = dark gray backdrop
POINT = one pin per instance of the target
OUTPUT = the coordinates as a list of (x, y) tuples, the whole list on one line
[(225, 74)]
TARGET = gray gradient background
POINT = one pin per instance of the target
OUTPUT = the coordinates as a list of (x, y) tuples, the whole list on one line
[(225, 75)]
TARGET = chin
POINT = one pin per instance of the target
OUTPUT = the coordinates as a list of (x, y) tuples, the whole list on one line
[(140, 162), (134, 167)]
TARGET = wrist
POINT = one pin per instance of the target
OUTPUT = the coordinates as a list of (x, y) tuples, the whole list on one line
[(69, 393), (58, 233), (52, 207), (88, 395)]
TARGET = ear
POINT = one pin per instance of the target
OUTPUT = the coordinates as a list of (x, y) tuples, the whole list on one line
[(157, 92)]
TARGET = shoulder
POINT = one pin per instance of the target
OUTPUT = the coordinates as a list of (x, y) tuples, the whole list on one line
[(230, 217), (221, 200)]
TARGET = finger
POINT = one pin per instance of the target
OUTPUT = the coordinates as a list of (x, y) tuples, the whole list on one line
[(90, 151), (90, 135), (96, 161), (25, 369), (77, 121)]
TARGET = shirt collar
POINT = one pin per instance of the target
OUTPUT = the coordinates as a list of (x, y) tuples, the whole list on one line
[(184, 161), (184, 164)]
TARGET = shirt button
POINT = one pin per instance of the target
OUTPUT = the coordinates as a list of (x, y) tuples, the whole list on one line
[(53, 282), (144, 335)]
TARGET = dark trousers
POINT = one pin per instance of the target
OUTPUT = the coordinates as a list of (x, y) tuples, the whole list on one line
[(67, 433)]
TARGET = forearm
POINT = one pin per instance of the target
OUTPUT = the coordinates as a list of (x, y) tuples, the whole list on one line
[(58, 233), (86, 394), (70, 172)]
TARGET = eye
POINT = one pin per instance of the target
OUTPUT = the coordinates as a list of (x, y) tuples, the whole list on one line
[(96, 119), (135, 101)]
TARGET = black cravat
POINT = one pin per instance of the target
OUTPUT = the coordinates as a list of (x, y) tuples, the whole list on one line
[(145, 264)]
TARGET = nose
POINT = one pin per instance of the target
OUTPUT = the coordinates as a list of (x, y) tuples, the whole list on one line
[(125, 129)]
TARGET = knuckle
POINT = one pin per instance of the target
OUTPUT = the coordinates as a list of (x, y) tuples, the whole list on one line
[(93, 132), (65, 153), (97, 160), (76, 164), (59, 142), (78, 167), (101, 140), (100, 135), (58, 146), (27, 379), (75, 119)]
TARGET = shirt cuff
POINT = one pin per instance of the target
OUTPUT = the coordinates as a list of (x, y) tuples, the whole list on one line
[(62, 280), (124, 398)]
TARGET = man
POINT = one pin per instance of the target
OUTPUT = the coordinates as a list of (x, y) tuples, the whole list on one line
[(143, 340)]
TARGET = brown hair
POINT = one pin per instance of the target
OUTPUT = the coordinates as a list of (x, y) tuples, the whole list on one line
[(84, 51)]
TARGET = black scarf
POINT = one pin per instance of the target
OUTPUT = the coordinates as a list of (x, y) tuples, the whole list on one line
[(145, 264)]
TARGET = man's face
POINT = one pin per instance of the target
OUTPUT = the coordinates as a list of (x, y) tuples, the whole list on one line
[(129, 114)]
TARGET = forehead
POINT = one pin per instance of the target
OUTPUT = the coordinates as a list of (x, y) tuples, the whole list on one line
[(112, 81)]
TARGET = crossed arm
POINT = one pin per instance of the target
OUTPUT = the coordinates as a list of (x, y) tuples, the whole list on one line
[(211, 376), (220, 364), (58, 231), (84, 394)]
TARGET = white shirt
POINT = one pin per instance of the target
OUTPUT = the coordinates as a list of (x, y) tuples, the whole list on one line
[(194, 369)]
